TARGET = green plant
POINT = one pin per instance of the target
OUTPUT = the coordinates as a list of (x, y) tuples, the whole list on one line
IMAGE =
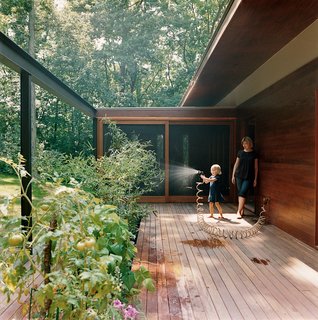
[(120, 177), (78, 281), (9, 186)]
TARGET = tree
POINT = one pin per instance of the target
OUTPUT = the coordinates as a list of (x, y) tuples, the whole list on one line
[(9, 114), (113, 53)]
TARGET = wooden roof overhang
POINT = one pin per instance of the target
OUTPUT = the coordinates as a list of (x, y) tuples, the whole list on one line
[(258, 43)]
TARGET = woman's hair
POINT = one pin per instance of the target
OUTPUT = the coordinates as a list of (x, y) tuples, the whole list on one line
[(217, 167), (247, 139)]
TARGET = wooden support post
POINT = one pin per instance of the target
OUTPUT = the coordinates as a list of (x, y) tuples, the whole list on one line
[(99, 137), (95, 136), (167, 160)]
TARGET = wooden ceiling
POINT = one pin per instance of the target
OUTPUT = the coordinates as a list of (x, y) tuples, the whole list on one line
[(257, 30)]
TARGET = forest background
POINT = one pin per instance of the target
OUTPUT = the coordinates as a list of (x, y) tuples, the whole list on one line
[(113, 53)]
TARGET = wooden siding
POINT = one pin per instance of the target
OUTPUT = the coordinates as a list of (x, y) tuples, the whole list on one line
[(285, 120), (269, 276)]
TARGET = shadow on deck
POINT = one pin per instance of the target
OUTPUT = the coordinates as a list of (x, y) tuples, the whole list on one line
[(269, 276)]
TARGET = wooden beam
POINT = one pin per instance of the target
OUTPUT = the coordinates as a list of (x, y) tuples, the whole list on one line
[(165, 113)]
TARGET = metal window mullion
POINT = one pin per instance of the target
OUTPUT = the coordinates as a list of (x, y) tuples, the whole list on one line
[(26, 146)]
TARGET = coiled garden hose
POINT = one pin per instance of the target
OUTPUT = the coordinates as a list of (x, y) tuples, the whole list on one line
[(219, 232)]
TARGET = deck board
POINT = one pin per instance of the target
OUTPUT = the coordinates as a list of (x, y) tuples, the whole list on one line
[(162, 291), (173, 265), (300, 292), (13, 310), (269, 276), (236, 288), (210, 296), (189, 263)]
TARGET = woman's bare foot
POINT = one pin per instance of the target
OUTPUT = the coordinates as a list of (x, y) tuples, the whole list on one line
[(240, 214)]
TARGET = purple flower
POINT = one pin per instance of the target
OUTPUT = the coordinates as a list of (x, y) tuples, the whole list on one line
[(130, 312), (117, 304)]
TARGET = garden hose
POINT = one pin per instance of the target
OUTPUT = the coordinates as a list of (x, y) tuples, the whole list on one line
[(219, 232)]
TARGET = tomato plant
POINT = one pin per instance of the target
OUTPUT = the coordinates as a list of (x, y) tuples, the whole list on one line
[(90, 242), (15, 239), (81, 248)]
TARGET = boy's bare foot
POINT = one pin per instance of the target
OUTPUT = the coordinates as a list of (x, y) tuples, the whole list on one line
[(239, 216), (211, 216), (220, 216)]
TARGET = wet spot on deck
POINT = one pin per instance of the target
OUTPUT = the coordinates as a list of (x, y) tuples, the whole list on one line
[(261, 261), (211, 243)]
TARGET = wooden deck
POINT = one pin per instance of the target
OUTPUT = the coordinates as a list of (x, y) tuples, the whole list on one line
[(15, 308), (269, 276)]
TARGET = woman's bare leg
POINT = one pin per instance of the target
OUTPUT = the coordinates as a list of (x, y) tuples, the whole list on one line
[(241, 204)]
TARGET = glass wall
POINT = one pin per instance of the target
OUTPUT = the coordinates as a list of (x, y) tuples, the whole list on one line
[(147, 132), (192, 148), (195, 148)]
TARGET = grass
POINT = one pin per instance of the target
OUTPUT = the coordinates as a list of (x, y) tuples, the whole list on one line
[(10, 187)]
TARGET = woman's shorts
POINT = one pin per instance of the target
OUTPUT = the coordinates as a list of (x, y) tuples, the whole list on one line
[(243, 186)]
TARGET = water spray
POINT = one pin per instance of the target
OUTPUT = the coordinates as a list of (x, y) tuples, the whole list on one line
[(184, 175)]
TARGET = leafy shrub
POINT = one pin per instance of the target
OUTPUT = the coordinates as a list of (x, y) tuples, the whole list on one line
[(126, 172), (80, 247)]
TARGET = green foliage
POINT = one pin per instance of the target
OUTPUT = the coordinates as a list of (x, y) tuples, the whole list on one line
[(57, 123), (90, 254), (128, 171), (128, 53), (9, 116), (9, 185)]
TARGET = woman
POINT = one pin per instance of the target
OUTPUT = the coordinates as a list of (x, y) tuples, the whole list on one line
[(245, 173)]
